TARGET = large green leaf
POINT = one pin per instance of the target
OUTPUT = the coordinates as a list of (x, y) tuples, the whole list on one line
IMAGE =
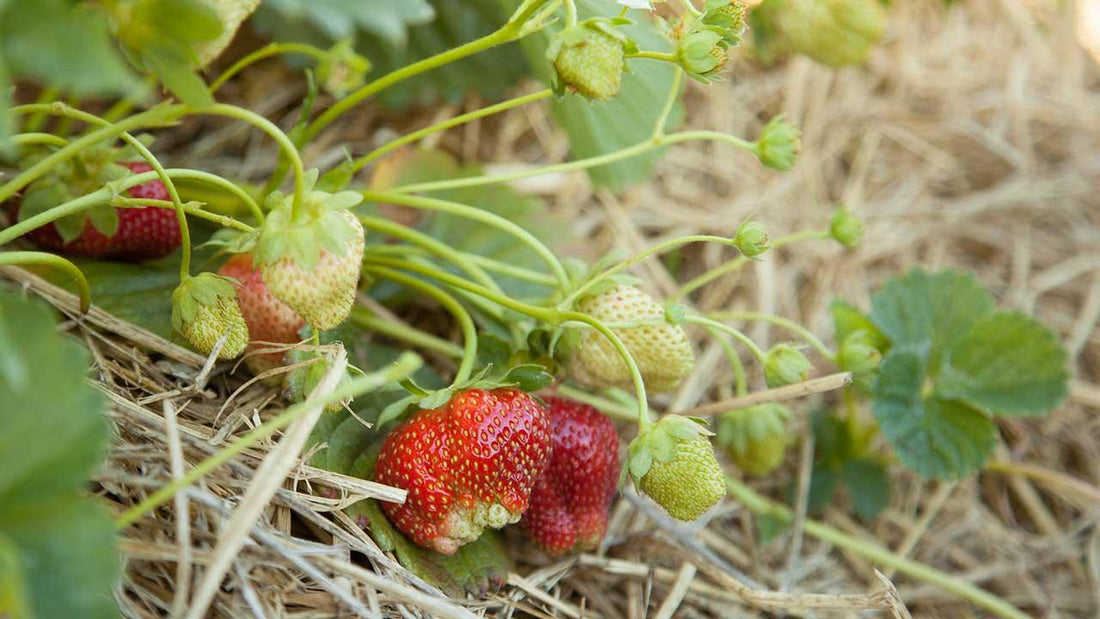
[(1009, 364), (56, 544), (930, 312), (597, 128), (333, 20), (935, 437)]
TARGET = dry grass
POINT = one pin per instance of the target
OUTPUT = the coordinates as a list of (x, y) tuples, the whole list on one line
[(970, 140)]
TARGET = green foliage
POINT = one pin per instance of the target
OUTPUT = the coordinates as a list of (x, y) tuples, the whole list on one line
[(953, 363), (841, 460), (57, 549)]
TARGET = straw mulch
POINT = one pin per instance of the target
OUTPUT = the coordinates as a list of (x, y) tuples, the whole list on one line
[(970, 140)]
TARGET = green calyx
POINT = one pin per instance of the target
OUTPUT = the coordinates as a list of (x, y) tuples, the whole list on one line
[(778, 145), (674, 464), (755, 437), (703, 52), (342, 70), (846, 228), (727, 16), (858, 353), (785, 365), (202, 289), (317, 226)]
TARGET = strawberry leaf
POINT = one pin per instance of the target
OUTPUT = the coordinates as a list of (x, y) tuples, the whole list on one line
[(947, 439), (56, 543), (1009, 364), (869, 486)]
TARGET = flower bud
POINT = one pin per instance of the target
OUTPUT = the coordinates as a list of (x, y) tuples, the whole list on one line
[(778, 144), (752, 238), (857, 353), (702, 53), (785, 365), (342, 70), (755, 437), (846, 228)]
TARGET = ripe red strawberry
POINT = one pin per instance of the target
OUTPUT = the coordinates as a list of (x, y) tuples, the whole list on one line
[(143, 233), (268, 318), (467, 465), (570, 502)]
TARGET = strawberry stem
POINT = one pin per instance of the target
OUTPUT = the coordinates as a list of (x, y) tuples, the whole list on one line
[(34, 139), (408, 138), (740, 382), (570, 13), (670, 102), (578, 164), (400, 370), (779, 321), (465, 322), (191, 208), (761, 505), (469, 212), (54, 261), (272, 49), (399, 331), (729, 267), (728, 330)]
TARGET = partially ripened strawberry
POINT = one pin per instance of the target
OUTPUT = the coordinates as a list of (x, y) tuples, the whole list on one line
[(204, 310), (269, 319), (310, 257), (571, 500), (141, 233), (467, 465), (673, 463), (661, 349)]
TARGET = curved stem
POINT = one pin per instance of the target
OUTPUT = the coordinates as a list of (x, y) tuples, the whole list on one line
[(469, 331), (740, 382), (579, 164), (54, 261), (401, 369), (157, 116), (670, 102), (438, 248), (217, 181), (48, 139), (272, 49), (404, 333), (550, 316), (779, 321), (611, 408), (705, 278), (490, 265), (363, 161), (757, 503), (469, 212), (83, 203), (570, 13), (659, 248), (728, 330)]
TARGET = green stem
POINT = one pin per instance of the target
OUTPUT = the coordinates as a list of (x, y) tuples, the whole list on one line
[(662, 56), (490, 265), (227, 185), (740, 381), (790, 325), (689, 6), (670, 102), (486, 217), (54, 261), (469, 331), (659, 248), (547, 315), (363, 161), (433, 246), (579, 164), (401, 369), (728, 330), (705, 278), (37, 120), (607, 406), (273, 49), (404, 333), (757, 503), (191, 208), (83, 203), (30, 139), (570, 13)]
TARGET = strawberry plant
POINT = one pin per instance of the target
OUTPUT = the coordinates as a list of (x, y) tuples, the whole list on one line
[(534, 352)]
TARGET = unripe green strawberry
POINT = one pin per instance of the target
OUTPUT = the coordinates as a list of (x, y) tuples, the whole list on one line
[(778, 145), (204, 308), (785, 365), (832, 32), (588, 60), (661, 350), (755, 437), (674, 464), (846, 228), (752, 238), (310, 260)]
